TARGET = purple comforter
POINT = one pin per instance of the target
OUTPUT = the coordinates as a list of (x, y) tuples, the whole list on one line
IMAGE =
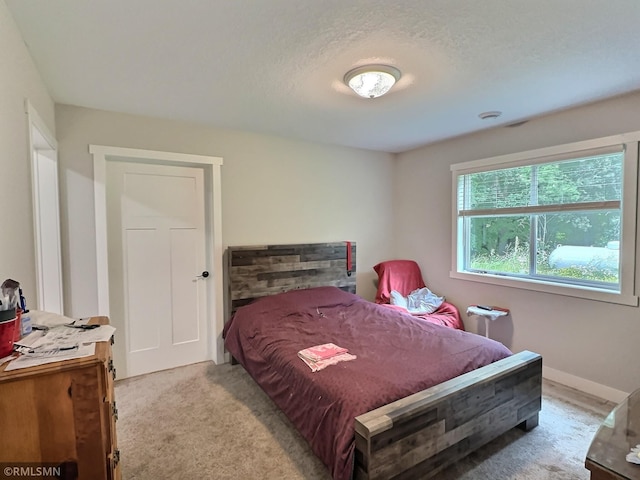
[(398, 355)]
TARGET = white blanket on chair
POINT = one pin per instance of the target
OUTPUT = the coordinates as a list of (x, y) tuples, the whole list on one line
[(419, 301)]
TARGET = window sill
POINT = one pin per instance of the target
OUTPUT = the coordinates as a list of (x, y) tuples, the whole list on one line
[(546, 287)]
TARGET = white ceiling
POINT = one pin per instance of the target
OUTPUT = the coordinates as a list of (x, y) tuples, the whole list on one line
[(276, 66)]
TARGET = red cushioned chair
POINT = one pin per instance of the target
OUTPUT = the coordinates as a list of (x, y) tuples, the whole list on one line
[(404, 276)]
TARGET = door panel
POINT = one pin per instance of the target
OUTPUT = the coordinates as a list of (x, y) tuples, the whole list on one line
[(145, 275), (184, 262), (152, 196)]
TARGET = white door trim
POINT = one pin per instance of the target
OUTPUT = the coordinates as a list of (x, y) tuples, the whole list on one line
[(41, 138), (211, 166)]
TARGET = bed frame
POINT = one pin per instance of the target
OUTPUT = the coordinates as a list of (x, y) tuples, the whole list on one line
[(418, 436)]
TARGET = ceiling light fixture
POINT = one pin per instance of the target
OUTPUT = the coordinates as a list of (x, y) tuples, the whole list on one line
[(490, 115), (371, 81)]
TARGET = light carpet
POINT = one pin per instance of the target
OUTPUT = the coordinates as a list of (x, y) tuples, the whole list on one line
[(207, 421)]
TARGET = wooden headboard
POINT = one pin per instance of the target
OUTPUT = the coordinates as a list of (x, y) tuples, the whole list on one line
[(258, 271)]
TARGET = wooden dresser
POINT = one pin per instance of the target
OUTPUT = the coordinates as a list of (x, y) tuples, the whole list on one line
[(62, 413)]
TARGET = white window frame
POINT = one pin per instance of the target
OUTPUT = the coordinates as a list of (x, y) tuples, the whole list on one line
[(626, 295)]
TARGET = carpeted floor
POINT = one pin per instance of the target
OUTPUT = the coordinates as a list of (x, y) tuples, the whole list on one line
[(213, 422)]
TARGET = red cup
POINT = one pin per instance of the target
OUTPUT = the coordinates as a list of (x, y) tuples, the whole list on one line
[(7, 331)]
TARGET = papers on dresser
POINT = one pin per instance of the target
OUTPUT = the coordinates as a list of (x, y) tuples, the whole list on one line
[(7, 359), (64, 335), (49, 356), (57, 344)]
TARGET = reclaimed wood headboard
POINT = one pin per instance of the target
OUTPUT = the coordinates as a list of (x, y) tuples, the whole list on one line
[(258, 271)]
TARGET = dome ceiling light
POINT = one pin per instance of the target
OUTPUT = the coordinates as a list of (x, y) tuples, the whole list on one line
[(490, 115), (371, 81)]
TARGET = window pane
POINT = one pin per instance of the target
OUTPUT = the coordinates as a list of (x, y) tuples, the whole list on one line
[(579, 245), (499, 244), (499, 189), (590, 179)]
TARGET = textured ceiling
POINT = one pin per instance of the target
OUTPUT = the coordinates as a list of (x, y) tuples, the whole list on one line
[(276, 66)]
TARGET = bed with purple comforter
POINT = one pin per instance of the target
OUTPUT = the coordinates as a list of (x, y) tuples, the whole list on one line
[(397, 355)]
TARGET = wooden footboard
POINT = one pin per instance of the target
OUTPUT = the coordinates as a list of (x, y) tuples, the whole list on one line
[(418, 436)]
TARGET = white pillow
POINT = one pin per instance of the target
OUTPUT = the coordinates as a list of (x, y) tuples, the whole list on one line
[(396, 298)]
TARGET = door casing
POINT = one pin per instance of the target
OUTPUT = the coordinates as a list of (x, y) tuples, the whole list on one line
[(43, 152), (213, 227)]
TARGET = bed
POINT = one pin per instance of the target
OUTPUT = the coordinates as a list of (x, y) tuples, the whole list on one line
[(402, 409)]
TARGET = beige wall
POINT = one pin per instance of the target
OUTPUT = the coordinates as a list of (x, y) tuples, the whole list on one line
[(19, 80), (273, 191), (592, 341)]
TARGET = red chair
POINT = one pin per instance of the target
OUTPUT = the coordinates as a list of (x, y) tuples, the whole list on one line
[(404, 276)]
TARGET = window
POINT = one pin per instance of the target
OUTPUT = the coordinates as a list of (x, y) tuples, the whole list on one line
[(560, 220)]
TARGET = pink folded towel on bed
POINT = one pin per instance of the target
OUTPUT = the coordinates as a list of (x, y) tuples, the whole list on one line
[(322, 352), (321, 356)]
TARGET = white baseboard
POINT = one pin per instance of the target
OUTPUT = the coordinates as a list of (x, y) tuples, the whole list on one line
[(584, 385)]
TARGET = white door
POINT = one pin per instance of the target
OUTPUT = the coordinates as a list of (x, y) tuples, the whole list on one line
[(156, 245)]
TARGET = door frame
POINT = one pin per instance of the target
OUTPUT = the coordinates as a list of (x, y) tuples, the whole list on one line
[(213, 227), (41, 138)]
